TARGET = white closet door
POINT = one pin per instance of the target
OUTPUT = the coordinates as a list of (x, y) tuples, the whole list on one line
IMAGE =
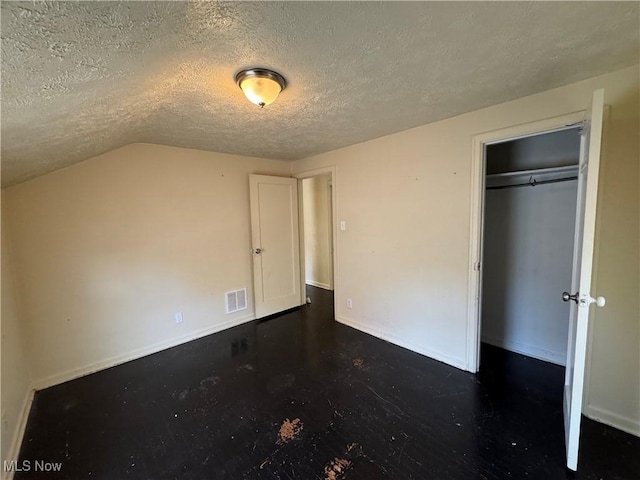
[(580, 295)]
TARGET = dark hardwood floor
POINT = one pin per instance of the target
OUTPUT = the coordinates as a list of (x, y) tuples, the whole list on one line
[(301, 396)]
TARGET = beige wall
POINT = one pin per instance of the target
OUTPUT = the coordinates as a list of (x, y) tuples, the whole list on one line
[(404, 257), (16, 377), (108, 250), (317, 232), (613, 380)]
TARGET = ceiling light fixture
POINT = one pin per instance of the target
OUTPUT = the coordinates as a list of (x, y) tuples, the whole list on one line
[(261, 86)]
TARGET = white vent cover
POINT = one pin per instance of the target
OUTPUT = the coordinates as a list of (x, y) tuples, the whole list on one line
[(236, 300)]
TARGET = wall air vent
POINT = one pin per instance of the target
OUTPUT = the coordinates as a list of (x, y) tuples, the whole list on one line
[(236, 300)]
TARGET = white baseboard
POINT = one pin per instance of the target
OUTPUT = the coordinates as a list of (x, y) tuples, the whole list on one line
[(326, 286), (439, 356), (18, 434), (620, 422), (138, 353), (528, 350)]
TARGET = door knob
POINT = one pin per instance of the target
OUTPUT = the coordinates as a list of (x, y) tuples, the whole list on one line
[(257, 251), (584, 300)]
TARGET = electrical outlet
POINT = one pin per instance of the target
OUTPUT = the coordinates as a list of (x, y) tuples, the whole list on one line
[(343, 225), (349, 303), (179, 317)]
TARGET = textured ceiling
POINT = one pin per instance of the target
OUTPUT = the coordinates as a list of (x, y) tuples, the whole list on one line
[(82, 78)]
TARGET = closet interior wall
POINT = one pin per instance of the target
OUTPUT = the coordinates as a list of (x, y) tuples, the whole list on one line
[(528, 246)]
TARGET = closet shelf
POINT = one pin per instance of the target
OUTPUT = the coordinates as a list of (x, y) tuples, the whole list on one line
[(537, 171)]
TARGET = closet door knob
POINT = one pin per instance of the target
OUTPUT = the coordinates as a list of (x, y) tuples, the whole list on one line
[(566, 296)]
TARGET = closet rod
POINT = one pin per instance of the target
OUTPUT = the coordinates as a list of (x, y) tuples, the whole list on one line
[(533, 183), (535, 171)]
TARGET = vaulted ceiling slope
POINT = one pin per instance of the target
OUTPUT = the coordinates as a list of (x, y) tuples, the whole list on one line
[(82, 78)]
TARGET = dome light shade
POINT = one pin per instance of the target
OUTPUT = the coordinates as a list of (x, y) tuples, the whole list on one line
[(261, 86)]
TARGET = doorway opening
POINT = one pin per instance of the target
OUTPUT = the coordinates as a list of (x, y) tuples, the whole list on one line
[(527, 245), (318, 242), (317, 221)]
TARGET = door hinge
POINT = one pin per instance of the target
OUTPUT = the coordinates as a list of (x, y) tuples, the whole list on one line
[(476, 266)]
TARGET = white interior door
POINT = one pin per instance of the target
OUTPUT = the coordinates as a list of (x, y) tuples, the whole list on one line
[(580, 295), (276, 243)]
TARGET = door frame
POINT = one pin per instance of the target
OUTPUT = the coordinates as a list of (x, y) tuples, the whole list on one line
[(478, 169), (330, 220), (317, 172)]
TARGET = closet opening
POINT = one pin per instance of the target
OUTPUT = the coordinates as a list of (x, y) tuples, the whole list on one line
[(527, 251)]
